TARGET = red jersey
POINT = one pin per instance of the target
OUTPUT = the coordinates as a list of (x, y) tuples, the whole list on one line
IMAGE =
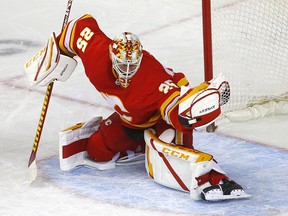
[(153, 92)]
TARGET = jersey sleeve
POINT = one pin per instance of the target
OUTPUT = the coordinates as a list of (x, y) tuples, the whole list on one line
[(180, 79), (75, 37), (170, 103)]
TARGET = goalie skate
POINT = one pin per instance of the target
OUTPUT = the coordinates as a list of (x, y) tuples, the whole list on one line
[(225, 190)]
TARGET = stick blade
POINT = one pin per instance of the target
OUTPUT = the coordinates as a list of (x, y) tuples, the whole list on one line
[(32, 172)]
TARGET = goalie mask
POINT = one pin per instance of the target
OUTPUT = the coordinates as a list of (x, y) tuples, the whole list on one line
[(126, 55)]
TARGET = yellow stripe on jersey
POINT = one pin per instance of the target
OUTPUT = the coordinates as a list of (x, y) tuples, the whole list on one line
[(155, 117), (168, 102), (152, 121), (61, 42), (70, 37), (170, 110), (86, 16), (182, 82)]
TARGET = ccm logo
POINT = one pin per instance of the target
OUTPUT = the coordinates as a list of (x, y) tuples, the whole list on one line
[(175, 153), (35, 57)]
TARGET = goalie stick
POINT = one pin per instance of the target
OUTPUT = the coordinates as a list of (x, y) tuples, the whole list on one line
[(32, 167)]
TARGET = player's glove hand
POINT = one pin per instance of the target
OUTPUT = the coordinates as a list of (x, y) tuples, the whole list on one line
[(200, 106)]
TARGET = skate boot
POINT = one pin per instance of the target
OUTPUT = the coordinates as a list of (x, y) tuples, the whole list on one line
[(225, 190)]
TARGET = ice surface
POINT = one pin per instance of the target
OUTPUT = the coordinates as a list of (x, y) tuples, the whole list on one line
[(251, 166), (172, 32)]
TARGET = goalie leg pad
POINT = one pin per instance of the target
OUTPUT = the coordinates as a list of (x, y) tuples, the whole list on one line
[(91, 144), (72, 143), (170, 165), (188, 170)]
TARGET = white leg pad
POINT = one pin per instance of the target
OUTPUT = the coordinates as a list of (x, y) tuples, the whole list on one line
[(67, 139), (72, 154), (173, 166)]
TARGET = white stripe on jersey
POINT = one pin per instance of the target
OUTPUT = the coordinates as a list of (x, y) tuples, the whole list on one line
[(68, 36), (168, 107), (170, 72)]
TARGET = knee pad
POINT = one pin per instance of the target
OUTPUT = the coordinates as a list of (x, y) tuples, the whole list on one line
[(167, 132), (111, 139), (97, 149)]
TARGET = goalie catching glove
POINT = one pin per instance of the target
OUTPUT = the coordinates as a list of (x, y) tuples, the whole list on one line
[(201, 106), (49, 65)]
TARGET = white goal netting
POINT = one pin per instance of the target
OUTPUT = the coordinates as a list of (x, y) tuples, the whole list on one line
[(250, 46)]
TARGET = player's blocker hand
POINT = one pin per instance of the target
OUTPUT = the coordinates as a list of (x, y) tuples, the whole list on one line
[(49, 65), (201, 106)]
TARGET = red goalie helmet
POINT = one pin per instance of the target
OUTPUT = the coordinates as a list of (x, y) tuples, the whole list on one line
[(126, 55)]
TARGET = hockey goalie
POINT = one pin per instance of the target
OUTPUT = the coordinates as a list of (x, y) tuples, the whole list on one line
[(155, 111)]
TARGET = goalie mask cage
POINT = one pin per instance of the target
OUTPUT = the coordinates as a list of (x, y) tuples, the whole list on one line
[(247, 40)]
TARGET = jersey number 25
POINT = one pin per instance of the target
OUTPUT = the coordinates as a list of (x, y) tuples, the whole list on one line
[(85, 36)]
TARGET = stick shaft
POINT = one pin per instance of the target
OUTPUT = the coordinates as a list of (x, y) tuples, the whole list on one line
[(46, 99), (41, 123)]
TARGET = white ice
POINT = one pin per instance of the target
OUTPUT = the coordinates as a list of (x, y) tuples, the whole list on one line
[(171, 31)]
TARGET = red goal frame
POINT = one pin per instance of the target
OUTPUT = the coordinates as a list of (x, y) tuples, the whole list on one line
[(207, 47), (207, 40)]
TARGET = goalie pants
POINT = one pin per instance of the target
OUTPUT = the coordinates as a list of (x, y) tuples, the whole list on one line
[(112, 137)]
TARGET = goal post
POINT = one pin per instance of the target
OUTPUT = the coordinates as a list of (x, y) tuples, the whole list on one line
[(247, 40), (207, 40)]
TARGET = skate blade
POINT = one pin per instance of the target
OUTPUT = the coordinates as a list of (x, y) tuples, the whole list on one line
[(239, 194)]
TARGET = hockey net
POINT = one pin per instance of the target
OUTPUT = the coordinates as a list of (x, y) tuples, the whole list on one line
[(250, 46)]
